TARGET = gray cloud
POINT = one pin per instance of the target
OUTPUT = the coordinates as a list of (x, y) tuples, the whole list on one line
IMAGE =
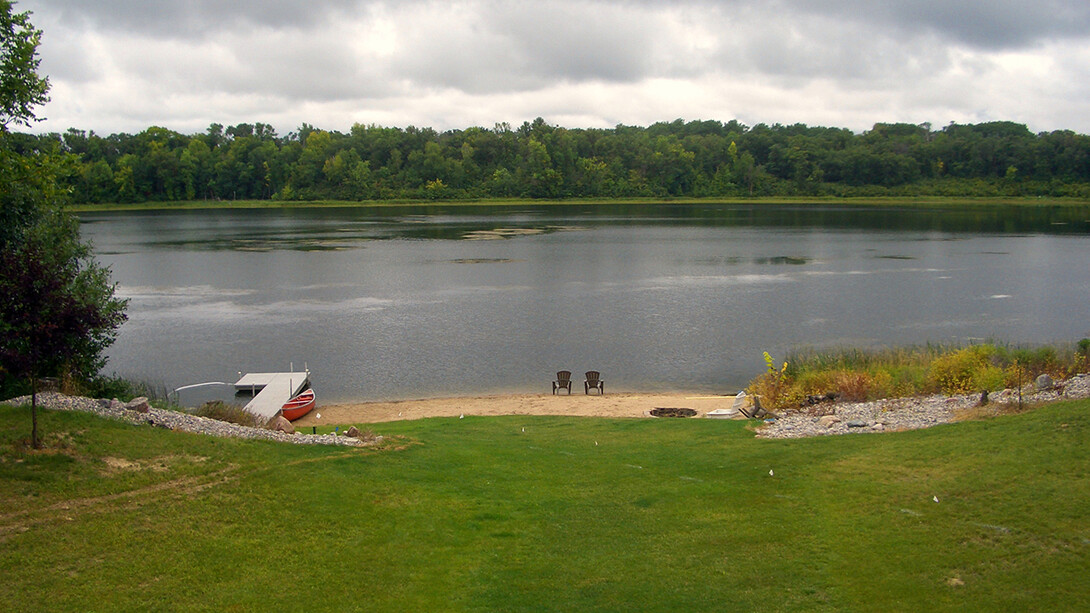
[(126, 64), (985, 23), (194, 18), (504, 48), (988, 24)]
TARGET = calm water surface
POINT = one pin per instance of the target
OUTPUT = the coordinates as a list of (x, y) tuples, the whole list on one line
[(395, 303)]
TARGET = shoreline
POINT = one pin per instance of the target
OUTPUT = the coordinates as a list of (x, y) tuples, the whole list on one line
[(890, 414), (834, 418), (619, 405)]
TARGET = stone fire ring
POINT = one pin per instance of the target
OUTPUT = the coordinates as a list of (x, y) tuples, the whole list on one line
[(671, 412)]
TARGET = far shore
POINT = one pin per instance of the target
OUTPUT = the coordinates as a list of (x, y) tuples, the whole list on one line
[(914, 201), (578, 404)]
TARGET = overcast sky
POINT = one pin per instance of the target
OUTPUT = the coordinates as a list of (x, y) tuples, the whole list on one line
[(125, 65)]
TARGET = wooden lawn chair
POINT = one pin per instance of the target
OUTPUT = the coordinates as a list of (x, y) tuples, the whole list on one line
[(593, 381), (563, 381)]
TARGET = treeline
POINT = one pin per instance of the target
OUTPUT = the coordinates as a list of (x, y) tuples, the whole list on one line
[(538, 160)]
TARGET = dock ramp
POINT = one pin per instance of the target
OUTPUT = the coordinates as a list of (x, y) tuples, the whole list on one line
[(271, 390)]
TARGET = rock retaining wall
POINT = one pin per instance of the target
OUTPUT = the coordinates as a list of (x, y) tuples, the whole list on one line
[(140, 413), (909, 413)]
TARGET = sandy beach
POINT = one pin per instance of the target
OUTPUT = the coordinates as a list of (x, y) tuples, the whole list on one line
[(610, 405), (839, 418)]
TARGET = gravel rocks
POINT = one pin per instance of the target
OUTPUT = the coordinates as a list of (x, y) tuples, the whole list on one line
[(908, 413), (174, 420)]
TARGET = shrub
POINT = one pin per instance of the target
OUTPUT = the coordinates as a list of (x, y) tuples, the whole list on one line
[(880, 385), (1041, 360), (1016, 375), (122, 389), (225, 411), (853, 386), (989, 378), (958, 372), (1082, 356), (907, 380), (815, 383), (773, 386)]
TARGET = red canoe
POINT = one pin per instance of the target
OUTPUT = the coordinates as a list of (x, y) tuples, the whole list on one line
[(298, 406)]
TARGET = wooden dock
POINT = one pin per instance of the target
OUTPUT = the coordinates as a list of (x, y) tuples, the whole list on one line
[(271, 390)]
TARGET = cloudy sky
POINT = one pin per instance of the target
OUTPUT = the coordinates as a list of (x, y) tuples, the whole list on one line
[(125, 65)]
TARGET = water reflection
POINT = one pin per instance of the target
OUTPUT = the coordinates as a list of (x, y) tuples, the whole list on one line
[(337, 228), (397, 302)]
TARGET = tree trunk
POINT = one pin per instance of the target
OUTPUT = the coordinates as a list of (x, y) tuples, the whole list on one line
[(34, 441)]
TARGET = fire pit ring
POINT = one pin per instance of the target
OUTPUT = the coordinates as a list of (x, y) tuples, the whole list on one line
[(672, 412)]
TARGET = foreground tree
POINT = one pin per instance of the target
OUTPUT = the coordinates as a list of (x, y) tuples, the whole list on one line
[(58, 312), (57, 309), (21, 89)]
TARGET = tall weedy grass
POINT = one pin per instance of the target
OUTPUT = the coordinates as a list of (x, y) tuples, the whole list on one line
[(226, 411), (857, 375)]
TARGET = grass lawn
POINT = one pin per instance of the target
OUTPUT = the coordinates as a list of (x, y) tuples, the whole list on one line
[(549, 514)]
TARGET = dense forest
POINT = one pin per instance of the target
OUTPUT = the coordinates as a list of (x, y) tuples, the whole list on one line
[(538, 160)]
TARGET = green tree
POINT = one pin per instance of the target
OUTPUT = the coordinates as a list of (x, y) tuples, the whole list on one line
[(195, 167), (58, 312), (21, 89), (125, 178), (97, 182), (542, 180), (671, 166)]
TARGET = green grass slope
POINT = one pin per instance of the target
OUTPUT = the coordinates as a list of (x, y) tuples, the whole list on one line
[(550, 514)]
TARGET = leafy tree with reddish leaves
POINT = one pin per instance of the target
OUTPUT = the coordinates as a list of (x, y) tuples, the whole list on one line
[(58, 312), (57, 309)]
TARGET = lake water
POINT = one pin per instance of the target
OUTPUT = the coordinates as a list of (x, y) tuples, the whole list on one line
[(411, 302)]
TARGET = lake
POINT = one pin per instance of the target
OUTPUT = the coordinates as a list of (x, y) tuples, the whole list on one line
[(408, 302)]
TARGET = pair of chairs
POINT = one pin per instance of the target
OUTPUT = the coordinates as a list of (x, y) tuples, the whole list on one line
[(594, 381)]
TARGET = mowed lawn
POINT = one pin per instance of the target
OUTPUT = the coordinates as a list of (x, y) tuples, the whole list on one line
[(549, 514)]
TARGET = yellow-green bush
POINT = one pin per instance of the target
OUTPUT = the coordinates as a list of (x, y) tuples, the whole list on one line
[(972, 369), (779, 390), (880, 385), (852, 386), (814, 383), (907, 380), (772, 388)]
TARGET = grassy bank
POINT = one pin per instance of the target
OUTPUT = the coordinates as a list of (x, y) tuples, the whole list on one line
[(921, 202), (550, 514)]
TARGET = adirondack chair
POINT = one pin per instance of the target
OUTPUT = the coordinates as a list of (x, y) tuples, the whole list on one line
[(593, 381), (563, 381)]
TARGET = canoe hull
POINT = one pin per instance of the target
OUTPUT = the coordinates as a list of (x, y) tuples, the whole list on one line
[(298, 406)]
